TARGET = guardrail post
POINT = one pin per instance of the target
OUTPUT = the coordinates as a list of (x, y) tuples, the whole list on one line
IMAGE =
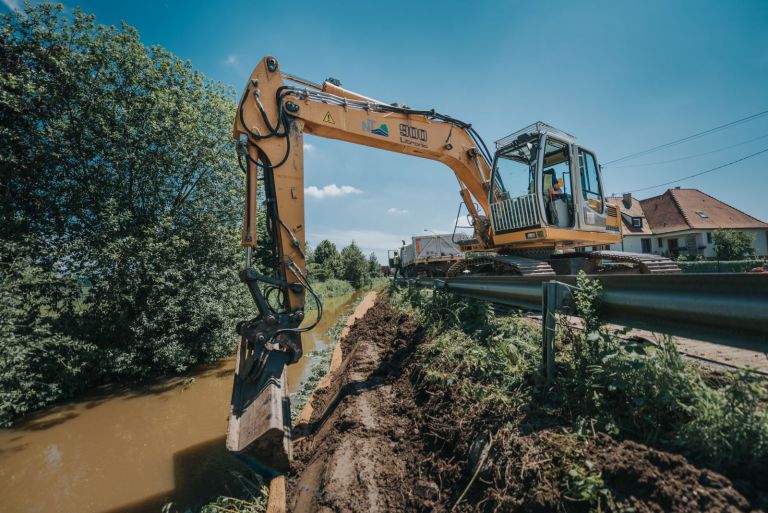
[(549, 306), (554, 296)]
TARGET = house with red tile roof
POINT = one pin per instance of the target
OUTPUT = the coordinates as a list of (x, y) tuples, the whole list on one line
[(681, 221)]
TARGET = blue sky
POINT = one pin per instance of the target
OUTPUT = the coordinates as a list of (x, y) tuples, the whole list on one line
[(622, 76)]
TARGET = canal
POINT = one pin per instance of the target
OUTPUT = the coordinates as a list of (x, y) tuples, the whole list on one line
[(134, 449)]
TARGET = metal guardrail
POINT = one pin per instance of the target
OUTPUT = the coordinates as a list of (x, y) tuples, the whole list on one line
[(727, 309)]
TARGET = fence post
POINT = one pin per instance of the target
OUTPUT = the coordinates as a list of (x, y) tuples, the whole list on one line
[(549, 305)]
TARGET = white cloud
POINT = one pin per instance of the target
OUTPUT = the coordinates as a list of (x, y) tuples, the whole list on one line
[(330, 191), (231, 60), (396, 211), (309, 148)]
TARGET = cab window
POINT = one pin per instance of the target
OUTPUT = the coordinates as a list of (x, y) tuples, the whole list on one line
[(556, 184), (590, 183), (515, 171)]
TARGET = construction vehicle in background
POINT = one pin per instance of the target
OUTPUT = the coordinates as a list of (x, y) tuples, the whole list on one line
[(531, 205), (426, 256)]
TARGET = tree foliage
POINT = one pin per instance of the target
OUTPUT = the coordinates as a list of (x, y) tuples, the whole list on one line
[(120, 196), (328, 261), (38, 361), (732, 244), (355, 267), (374, 267)]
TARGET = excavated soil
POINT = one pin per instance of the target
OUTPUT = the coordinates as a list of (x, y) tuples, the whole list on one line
[(381, 440)]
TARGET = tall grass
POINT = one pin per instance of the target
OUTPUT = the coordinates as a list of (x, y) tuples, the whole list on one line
[(320, 362), (654, 395), (252, 497), (623, 388)]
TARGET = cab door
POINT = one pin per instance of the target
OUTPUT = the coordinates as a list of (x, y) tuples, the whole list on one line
[(591, 209)]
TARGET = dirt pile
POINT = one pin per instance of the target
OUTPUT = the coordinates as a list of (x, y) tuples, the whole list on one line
[(383, 439), (357, 454)]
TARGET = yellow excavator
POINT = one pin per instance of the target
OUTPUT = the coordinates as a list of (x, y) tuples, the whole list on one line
[(532, 205)]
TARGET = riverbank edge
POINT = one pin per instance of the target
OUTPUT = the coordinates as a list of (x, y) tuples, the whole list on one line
[(277, 498)]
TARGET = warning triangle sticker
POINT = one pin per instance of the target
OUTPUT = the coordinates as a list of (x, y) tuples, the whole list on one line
[(328, 118)]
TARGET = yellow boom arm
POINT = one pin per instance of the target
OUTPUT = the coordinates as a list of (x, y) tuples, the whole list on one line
[(271, 120)]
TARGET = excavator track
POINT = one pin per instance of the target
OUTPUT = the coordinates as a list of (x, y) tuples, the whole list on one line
[(503, 265), (647, 263)]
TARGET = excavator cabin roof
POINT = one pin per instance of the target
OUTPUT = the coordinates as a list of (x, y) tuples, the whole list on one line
[(532, 132)]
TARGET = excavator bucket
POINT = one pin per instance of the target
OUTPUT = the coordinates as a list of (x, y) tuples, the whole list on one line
[(260, 419)]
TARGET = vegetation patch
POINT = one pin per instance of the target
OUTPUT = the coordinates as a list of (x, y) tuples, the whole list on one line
[(320, 361), (715, 266), (478, 382), (251, 497), (122, 212), (120, 206)]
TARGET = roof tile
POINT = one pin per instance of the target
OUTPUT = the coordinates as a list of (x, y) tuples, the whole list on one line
[(677, 210)]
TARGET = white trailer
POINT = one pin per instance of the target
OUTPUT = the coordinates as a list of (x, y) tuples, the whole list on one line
[(430, 255)]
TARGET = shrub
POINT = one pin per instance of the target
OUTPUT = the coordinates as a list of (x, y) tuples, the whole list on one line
[(708, 266), (39, 364), (732, 244), (117, 161), (355, 267)]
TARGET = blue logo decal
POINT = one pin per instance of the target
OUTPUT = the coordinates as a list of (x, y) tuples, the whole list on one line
[(370, 126)]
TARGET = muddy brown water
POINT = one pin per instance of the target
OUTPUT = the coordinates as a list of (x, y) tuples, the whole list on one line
[(135, 449)]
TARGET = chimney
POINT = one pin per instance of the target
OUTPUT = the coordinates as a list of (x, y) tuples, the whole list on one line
[(627, 200)]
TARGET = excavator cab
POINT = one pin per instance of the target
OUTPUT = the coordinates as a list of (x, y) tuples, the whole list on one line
[(542, 180)]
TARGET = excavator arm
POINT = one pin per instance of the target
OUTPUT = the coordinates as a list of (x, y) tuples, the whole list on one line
[(271, 120)]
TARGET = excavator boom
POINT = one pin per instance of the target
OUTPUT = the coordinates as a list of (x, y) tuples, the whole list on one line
[(274, 113), (271, 120)]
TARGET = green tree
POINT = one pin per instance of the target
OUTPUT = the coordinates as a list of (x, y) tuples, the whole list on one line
[(38, 362), (309, 259), (354, 265), (118, 179), (732, 244), (374, 267), (328, 261)]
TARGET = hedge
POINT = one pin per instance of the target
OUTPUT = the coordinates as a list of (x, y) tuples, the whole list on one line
[(713, 266)]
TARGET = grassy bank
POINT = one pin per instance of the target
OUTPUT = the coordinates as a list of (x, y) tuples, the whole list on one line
[(320, 361), (333, 288), (607, 395), (330, 289)]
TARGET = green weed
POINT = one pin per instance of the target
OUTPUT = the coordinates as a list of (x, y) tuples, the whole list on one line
[(602, 382)]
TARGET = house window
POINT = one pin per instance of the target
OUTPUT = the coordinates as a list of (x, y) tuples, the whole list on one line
[(637, 222), (709, 237), (646, 244), (702, 215), (660, 242)]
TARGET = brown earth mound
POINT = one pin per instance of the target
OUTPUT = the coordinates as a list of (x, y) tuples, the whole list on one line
[(381, 440)]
